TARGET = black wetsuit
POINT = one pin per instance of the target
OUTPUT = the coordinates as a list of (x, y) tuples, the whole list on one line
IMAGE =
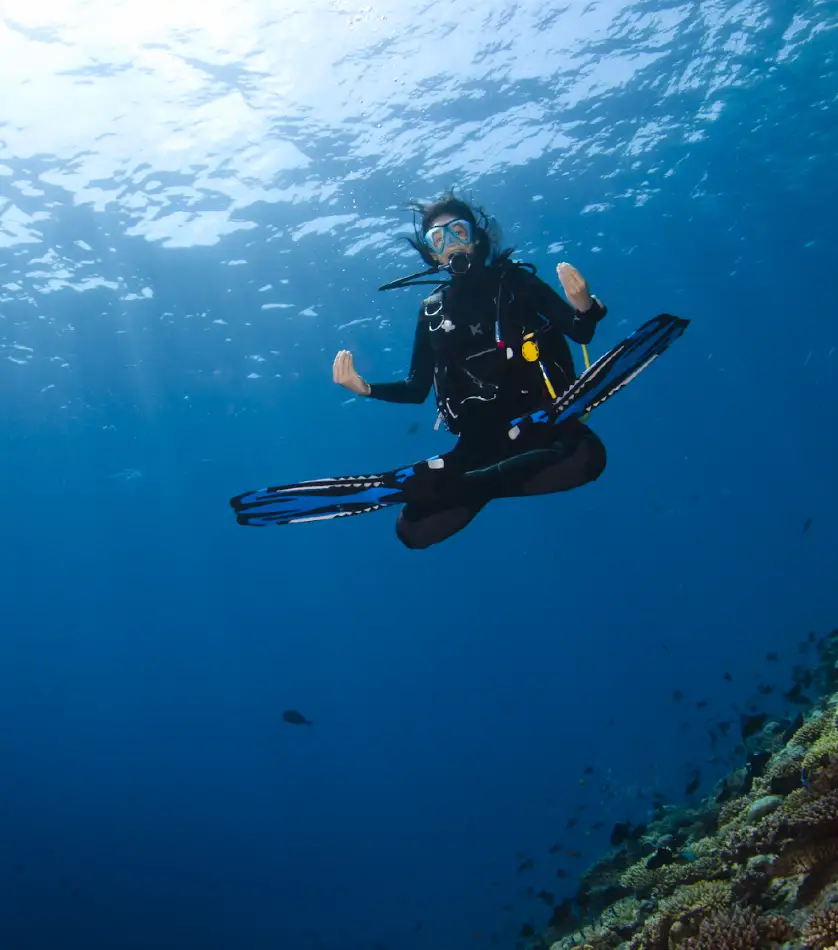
[(483, 382)]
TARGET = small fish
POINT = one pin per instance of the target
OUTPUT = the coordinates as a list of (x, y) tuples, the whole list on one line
[(723, 726), (588, 770), (806, 525), (772, 657), (413, 428), (701, 704), (527, 931), (555, 848), (728, 677), (677, 695), (572, 822), (765, 689), (573, 853), (561, 873), (527, 865), (548, 898), (295, 718), (597, 825)]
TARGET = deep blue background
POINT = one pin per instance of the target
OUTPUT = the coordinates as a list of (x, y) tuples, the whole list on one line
[(150, 794)]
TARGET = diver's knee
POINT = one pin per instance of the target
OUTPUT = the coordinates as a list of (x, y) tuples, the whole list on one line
[(408, 535)]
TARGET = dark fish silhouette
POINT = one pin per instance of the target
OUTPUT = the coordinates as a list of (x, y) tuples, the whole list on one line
[(728, 677), (659, 859), (527, 931), (765, 689), (723, 726), (750, 725), (548, 898), (588, 770), (806, 525), (295, 718), (562, 913), (795, 695), (772, 657), (757, 763), (527, 865), (677, 695), (701, 704), (620, 833), (561, 873), (694, 782), (413, 428), (572, 822), (554, 849)]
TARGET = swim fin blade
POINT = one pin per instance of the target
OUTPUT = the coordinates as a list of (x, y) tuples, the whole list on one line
[(318, 500), (609, 373)]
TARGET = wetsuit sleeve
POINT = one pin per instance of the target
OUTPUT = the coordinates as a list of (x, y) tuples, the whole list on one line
[(578, 326), (417, 385)]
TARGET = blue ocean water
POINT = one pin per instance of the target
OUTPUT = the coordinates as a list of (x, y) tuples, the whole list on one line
[(197, 204)]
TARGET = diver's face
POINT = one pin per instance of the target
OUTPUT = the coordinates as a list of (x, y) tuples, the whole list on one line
[(448, 235)]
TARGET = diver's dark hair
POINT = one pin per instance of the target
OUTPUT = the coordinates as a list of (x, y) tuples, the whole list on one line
[(487, 232)]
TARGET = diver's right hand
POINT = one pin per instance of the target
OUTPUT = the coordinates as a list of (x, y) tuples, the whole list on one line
[(343, 373)]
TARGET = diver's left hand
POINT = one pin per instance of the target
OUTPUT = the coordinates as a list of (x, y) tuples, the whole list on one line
[(575, 287)]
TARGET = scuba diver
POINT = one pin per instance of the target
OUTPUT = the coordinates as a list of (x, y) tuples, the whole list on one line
[(492, 343)]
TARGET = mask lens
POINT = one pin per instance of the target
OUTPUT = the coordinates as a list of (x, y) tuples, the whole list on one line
[(435, 238), (455, 232), (462, 229)]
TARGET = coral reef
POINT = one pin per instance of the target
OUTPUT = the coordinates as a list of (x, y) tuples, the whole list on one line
[(754, 866)]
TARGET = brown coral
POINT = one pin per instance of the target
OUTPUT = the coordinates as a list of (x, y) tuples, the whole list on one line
[(654, 936), (821, 931), (816, 817), (806, 858), (739, 929)]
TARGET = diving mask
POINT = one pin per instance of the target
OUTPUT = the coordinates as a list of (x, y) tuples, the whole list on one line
[(458, 231)]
